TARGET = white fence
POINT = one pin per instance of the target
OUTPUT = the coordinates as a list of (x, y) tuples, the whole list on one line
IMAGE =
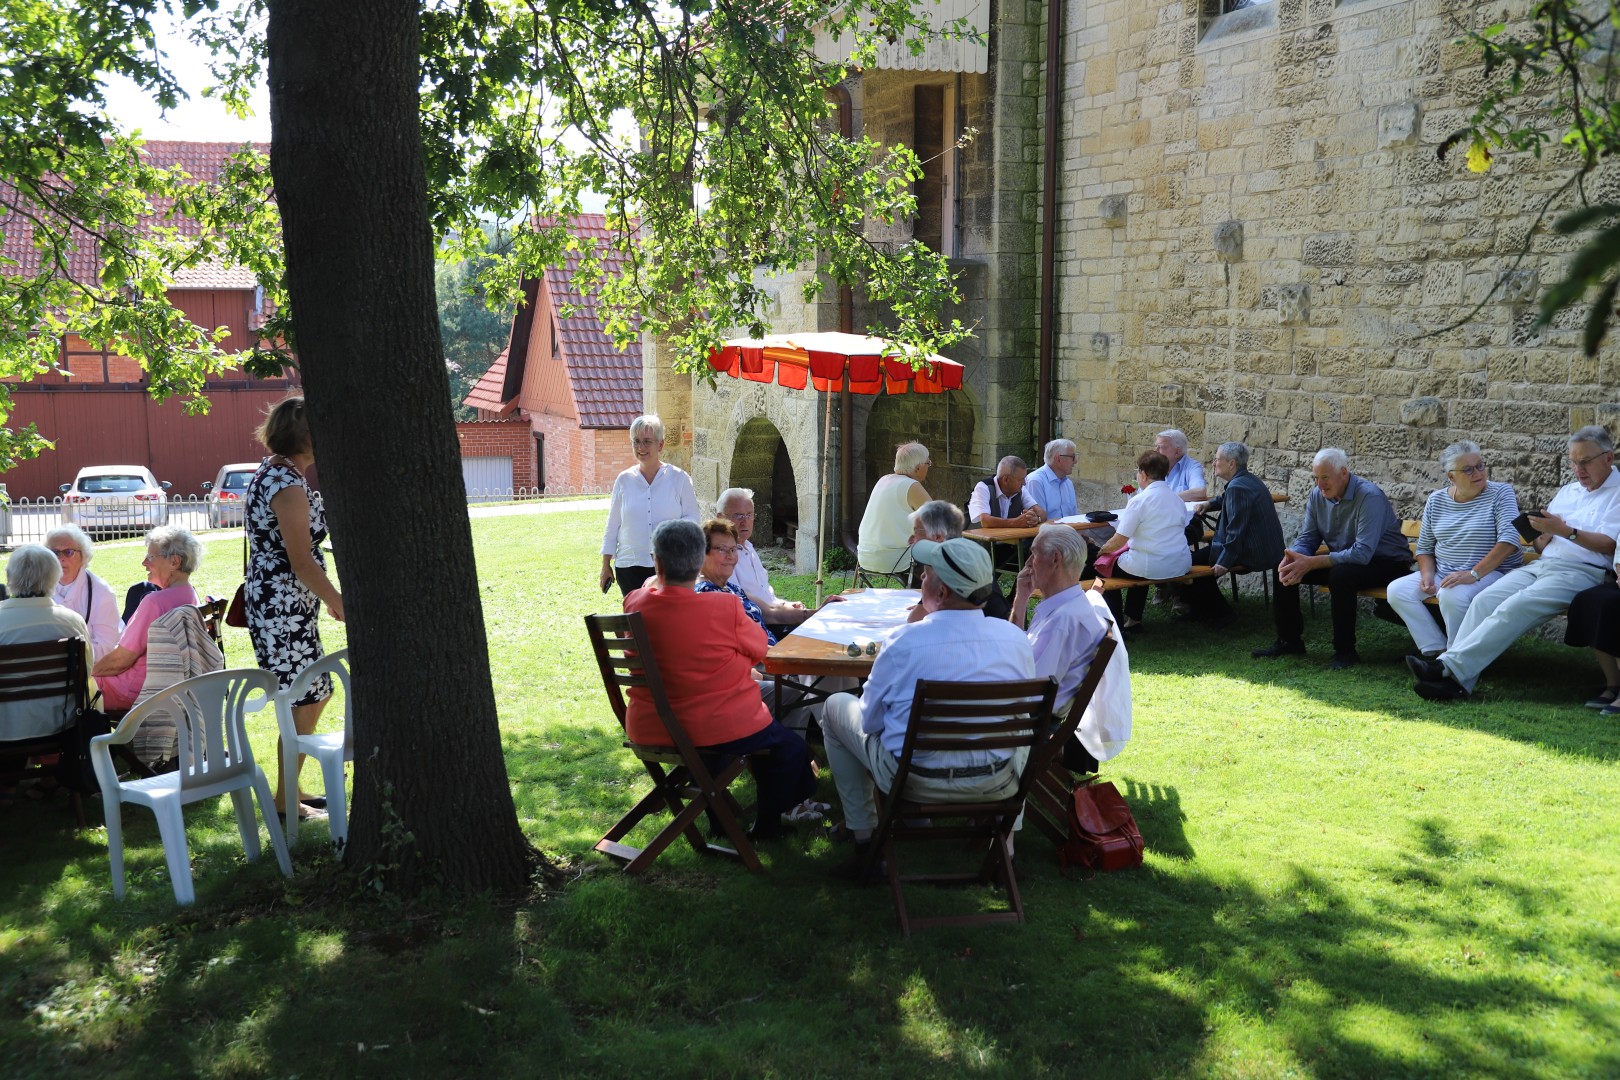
[(26, 521)]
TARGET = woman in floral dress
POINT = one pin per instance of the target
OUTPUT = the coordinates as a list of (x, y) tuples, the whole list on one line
[(286, 573)]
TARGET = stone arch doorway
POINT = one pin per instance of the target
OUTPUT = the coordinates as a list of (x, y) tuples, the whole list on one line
[(942, 422), (760, 461)]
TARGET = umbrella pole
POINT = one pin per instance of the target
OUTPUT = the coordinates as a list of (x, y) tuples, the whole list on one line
[(821, 512)]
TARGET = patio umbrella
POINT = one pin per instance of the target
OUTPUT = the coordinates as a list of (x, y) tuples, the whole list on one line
[(829, 361)]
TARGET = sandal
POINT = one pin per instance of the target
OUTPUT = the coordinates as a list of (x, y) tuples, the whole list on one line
[(807, 811)]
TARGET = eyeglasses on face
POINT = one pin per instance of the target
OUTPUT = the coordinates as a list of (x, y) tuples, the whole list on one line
[(741, 517), (725, 552), (646, 442), (1471, 470), (1581, 463), (66, 553)]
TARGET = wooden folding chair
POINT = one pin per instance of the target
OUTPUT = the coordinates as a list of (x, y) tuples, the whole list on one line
[(1051, 786), (43, 669), (683, 784), (957, 716)]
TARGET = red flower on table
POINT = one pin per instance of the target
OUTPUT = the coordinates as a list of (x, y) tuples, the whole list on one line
[(1127, 489)]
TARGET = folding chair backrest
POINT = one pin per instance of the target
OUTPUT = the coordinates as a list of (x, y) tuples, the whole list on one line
[(978, 715), (213, 619), (624, 656), (43, 669), (212, 709), (1070, 722)]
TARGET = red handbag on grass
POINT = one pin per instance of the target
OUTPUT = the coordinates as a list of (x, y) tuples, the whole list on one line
[(1102, 833)]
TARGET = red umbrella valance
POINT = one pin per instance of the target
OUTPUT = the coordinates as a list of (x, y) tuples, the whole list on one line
[(827, 359)]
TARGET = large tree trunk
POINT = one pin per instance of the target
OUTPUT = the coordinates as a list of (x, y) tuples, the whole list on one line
[(431, 803)]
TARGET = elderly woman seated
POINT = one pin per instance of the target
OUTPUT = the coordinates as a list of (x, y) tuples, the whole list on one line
[(706, 647), (28, 615), (883, 547), (1150, 537), (82, 592), (1465, 543), (172, 555)]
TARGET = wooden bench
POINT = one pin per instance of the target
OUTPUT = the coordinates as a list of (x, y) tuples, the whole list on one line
[(1114, 584)]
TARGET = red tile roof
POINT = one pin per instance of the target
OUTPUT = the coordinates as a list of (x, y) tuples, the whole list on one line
[(606, 382), (203, 161), (486, 394)]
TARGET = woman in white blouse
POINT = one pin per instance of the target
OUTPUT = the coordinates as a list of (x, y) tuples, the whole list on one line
[(82, 592), (648, 493), (1154, 525)]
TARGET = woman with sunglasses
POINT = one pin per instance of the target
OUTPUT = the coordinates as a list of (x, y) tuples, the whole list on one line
[(82, 592), (1467, 540)]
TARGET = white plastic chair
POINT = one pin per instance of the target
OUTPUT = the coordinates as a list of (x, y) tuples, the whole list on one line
[(331, 749), (215, 758)]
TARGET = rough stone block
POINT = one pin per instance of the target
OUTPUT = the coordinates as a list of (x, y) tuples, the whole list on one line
[(1228, 240), (1294, 304), (1112, 210), (1423, 412), (1398, 124), (1329, 249)]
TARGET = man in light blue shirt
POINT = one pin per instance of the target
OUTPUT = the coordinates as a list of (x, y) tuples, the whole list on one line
[(1352, 518), (864, 735), (1186, 477), (1051, 485)]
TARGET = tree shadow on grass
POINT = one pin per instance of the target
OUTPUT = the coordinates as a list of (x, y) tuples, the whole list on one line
[(1533, 693)]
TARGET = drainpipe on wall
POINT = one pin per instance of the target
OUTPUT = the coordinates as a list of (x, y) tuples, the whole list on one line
[(1046, 388), (846, 323)]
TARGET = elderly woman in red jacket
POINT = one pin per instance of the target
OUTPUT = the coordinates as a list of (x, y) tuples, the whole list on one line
[(706, 647)]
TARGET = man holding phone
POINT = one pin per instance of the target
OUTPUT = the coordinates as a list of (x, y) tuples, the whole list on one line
[(1576, 539)]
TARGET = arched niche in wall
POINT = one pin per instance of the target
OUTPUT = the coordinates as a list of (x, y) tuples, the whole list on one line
[(760, 461), (945, 423)]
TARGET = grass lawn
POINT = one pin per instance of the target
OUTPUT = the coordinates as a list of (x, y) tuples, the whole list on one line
[(1341, 880)]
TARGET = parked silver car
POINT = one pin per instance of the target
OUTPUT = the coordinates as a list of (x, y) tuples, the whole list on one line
[(226, 493), (116, 498)]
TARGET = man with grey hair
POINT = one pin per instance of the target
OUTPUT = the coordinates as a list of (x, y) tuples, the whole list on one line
[(27, 615), (939, 521), (1067, 626), (1186, 477), (1577, 544), (1248, 535), (1051, 485), (736, 505), (1352, 518), (1002, 501)]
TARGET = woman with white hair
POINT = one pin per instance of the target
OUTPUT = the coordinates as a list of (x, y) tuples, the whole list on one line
[(884, 541), (82, 592), (28, 614), (646, 495), (1467, 540), (172, 555)]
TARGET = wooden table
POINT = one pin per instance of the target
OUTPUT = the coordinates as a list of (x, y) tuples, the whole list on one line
[(1012, 536), (815, 659)]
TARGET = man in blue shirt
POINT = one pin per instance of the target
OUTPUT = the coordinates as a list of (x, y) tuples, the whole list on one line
[(1186, 477), (1352, 518), (1051, 485)]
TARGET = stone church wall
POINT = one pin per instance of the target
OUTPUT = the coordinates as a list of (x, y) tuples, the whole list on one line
[(1258, 242)]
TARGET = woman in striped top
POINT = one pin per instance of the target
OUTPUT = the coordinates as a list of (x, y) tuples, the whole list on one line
[(1466, 542)]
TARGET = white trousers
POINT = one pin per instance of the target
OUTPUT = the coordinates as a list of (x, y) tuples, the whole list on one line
[(1407, 600), (859, 760), (1519, 601)]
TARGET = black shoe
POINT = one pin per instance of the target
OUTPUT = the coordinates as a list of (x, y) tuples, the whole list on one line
[(1382, 610), (1446, 689), (1279, 648), (1342, 660), (770, 830), (1426, 668), (851, 869), (315, 802)]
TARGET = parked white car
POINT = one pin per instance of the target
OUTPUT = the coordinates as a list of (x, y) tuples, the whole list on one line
[(226, 493), (116, 498)]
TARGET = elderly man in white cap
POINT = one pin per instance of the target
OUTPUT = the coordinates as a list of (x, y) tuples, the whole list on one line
[(864, 735)]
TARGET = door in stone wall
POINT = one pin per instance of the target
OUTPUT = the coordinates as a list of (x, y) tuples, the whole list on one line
[(760, 461), (942, 422)]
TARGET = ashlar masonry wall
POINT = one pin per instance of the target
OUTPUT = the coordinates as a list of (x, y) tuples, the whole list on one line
[(1258, 242)]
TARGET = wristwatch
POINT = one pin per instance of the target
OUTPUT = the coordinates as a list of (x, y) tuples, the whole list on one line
[(1573, 533), (1471, 570)]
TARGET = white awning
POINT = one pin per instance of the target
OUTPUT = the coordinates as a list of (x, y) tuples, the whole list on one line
[(938, 54)]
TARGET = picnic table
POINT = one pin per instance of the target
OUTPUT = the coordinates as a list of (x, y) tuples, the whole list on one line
[(819, 647)]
